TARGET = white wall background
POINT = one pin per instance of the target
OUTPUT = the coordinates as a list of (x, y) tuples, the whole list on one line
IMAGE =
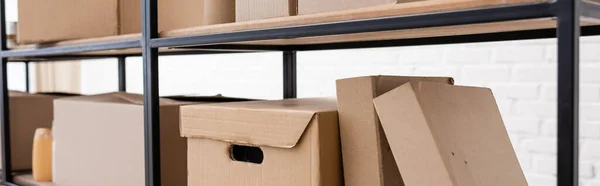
[(521, 74)]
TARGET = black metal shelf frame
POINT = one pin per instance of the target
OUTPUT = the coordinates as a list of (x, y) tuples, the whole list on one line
[(568, 32)]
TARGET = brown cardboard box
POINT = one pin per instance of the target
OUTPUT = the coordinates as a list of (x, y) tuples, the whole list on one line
[(55, 20), (319, 6), (246, 10), (99, 141), (296, 140), (365, 150), (27, 113), (448, 136)]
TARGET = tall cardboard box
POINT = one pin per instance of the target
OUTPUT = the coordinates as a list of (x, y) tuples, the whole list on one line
[(447, 135), (366, 153), (99, 141), (246, 10), (56, 20), (27, 113), (319, 6), (291, 142)]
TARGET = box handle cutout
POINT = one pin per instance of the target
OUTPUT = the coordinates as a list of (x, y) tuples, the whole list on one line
[(246, 154)]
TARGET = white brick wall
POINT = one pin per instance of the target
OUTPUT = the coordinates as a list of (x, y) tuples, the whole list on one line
[(521, 73)]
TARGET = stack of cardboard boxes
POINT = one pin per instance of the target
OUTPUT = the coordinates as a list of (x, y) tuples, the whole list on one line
[(381, 131), (57, 20)]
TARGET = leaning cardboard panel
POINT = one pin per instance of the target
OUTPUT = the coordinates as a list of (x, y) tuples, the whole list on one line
[(246, 10), (365, 150), (291, 142), (99, 141), (27, 113), (447, 135)]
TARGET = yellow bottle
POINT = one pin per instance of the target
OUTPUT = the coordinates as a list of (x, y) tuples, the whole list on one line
[(42, 155)]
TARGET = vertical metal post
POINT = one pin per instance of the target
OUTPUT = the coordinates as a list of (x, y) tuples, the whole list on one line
[(568, 33), (289, 75), (4, 113), (151, 105), (27, 76), (122, 70)]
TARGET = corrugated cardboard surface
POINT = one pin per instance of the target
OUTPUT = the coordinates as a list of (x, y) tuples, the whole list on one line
[(27, 113), (367, 157), (299, 139), (178, 14), (100, 141), (246, 10), (54, 20), (448, 136)]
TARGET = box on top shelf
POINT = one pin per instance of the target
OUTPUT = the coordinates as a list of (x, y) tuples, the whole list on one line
[(448, 136), (27, 113), (246, 10), (319, 6), (293, 142), (366, 154), (99, 140), (56, 20)]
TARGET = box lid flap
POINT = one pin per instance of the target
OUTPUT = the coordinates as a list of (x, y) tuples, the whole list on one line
[(448, 135), (278, 123)]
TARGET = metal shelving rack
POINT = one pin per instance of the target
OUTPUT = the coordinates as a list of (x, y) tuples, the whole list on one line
[(568, 31)]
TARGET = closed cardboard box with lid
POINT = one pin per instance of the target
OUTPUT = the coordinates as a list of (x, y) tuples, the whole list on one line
[(27, 113), (319, 6), (366, 153), (99, 140), (448, 135), (246, 10), (292, 142), (56, 20)]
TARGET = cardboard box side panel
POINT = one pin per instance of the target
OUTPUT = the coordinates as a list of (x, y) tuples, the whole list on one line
[(391, 174), (47, 21), (358, 132), (173, 148), (246, 10), (216, 12), (329, 145), (26, 115), (177, 14), (319, 6), (414, 145), (210, 163), (85, 131), (130, 16), (467, 123)]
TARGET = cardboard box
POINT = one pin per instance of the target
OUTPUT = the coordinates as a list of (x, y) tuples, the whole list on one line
[(56, 20), (246, 10), (319, 6), (367, 157), (292, 142), (99, 141), (27, 113), (448, 136)]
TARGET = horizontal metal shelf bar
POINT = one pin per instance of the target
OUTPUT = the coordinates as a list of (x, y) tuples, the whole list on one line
[(71, 49), (472, 16), (471, 38)]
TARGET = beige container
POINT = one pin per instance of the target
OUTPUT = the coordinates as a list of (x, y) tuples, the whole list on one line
[(42, 155), (292, 142)]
